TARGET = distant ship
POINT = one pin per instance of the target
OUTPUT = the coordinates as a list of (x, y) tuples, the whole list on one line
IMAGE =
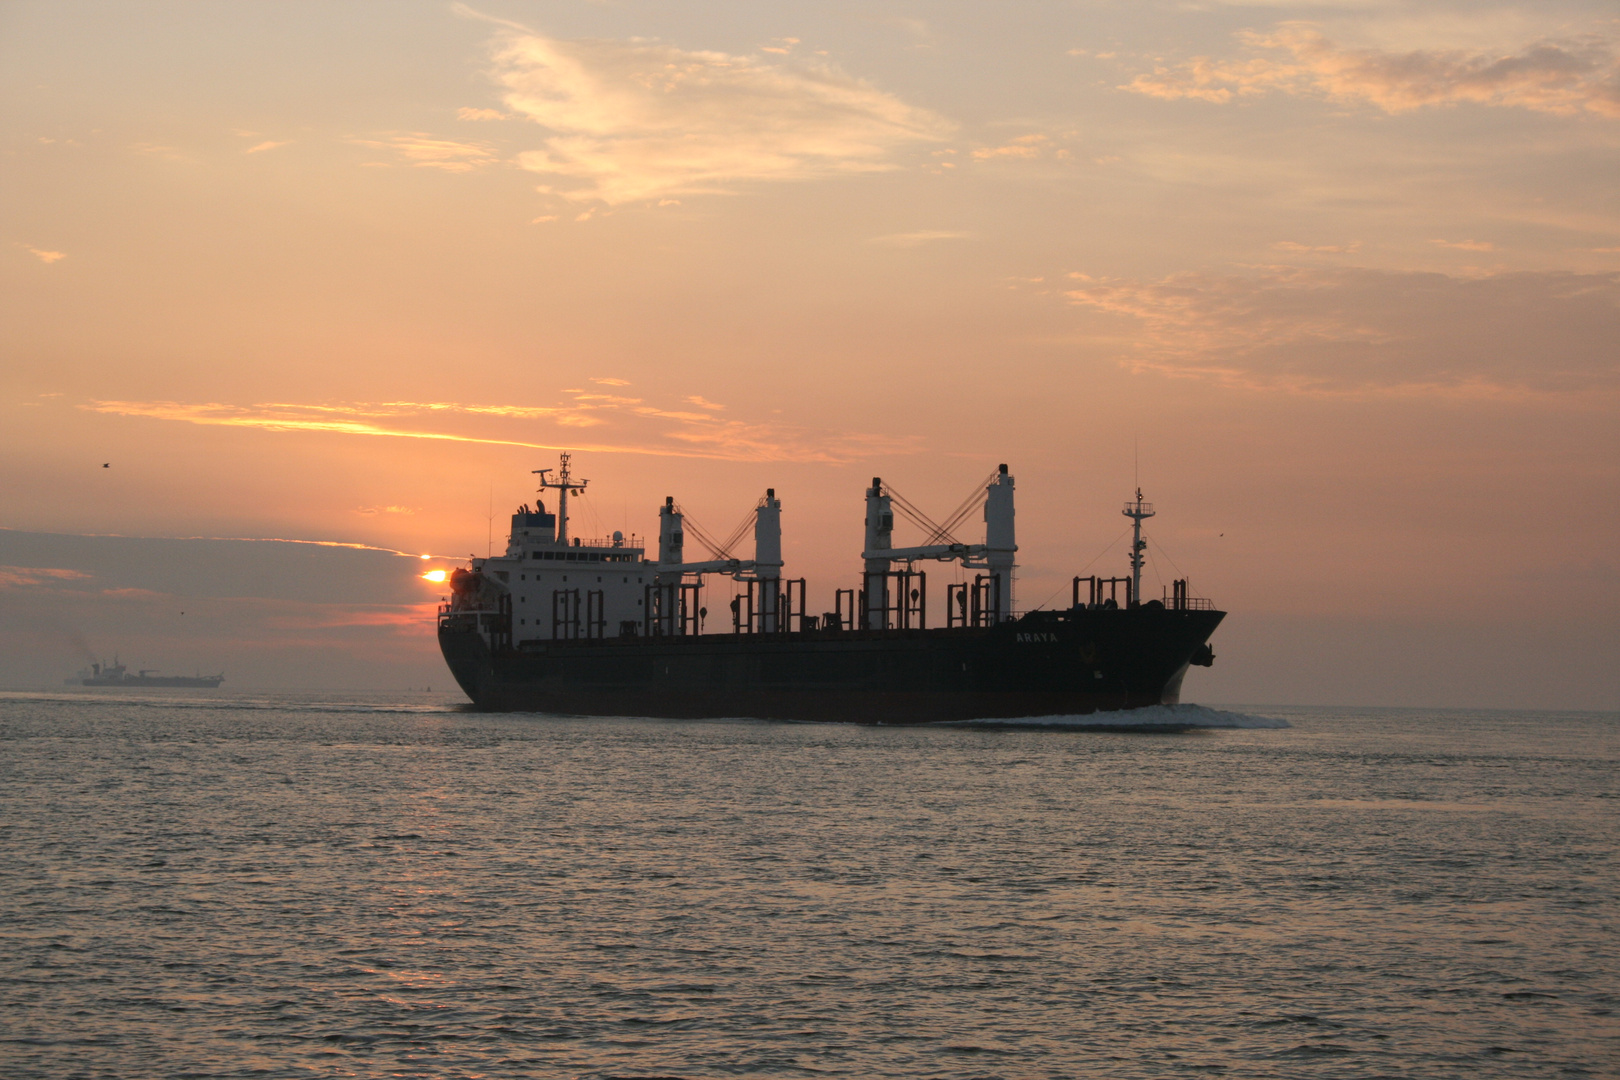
[(116, 674), (594, 627)]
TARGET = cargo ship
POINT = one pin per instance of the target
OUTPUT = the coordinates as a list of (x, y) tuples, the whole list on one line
[(562, 624), (116, 674)]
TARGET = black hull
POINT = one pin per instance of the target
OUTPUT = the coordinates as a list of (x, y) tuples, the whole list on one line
[(1045, 664)]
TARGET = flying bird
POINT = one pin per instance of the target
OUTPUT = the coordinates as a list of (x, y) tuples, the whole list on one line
[(106, 464)]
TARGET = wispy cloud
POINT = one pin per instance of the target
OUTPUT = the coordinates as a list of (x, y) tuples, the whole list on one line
[(629, 425), (1563, 77), (1025, 146), (1466, 245), (129, 592), (469, 113), (1512, 335), (66, 574), (43, 255), (171, 153), (431, 152), (267, 145), (13, 577), (399, 617), (923, 236), (632, 121), (1320, 249), (362, 420)]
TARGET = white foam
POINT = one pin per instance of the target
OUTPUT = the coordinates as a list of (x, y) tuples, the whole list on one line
[(1150, 717)]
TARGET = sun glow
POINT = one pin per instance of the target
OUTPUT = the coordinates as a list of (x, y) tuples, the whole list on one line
[(436, 576)]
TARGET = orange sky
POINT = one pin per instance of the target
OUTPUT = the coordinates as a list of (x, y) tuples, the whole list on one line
[(1345, 279)]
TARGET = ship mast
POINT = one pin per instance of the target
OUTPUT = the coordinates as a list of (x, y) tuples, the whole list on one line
[(565, 484), (1137, 511)]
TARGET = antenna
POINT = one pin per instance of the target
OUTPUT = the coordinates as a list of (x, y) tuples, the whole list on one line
[(565, 485)]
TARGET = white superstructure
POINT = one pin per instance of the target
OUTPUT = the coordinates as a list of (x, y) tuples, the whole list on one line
[(556, 586), (559, 587)]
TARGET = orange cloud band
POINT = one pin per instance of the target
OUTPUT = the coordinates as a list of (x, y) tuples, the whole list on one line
[(693, 434)]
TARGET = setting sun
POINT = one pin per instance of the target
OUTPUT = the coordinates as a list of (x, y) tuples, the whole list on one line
[(436, 575)]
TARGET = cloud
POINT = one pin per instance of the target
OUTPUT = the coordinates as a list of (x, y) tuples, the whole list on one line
[(632, 121), (44, 256), (1561, 77), (1025, 146), (13, 577), (611, 382), (1324, 249), (924, 236), (467, 113), (268, 145), (626, 425), (7, 533), (130, 593), (427, 151), (172, 153), (1466, 245), (412, 617), (1358, 331)]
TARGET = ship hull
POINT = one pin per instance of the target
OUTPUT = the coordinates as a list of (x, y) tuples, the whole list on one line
[(1045, 664), (207, 681)]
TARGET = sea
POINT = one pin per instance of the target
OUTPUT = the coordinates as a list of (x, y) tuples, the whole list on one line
[(231, 884)]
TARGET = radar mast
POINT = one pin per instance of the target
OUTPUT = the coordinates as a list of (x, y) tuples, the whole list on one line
[(1137, 511), (565, 485)]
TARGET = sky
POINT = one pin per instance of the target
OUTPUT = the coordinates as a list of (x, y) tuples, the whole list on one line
[(293, 294)]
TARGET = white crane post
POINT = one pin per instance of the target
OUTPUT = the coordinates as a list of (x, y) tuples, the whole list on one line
[(663, 604), (999, 538), (768, 560), (879, 529), (671, 536)]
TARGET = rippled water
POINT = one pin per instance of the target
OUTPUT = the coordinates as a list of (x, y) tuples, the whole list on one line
[(287, 887)]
